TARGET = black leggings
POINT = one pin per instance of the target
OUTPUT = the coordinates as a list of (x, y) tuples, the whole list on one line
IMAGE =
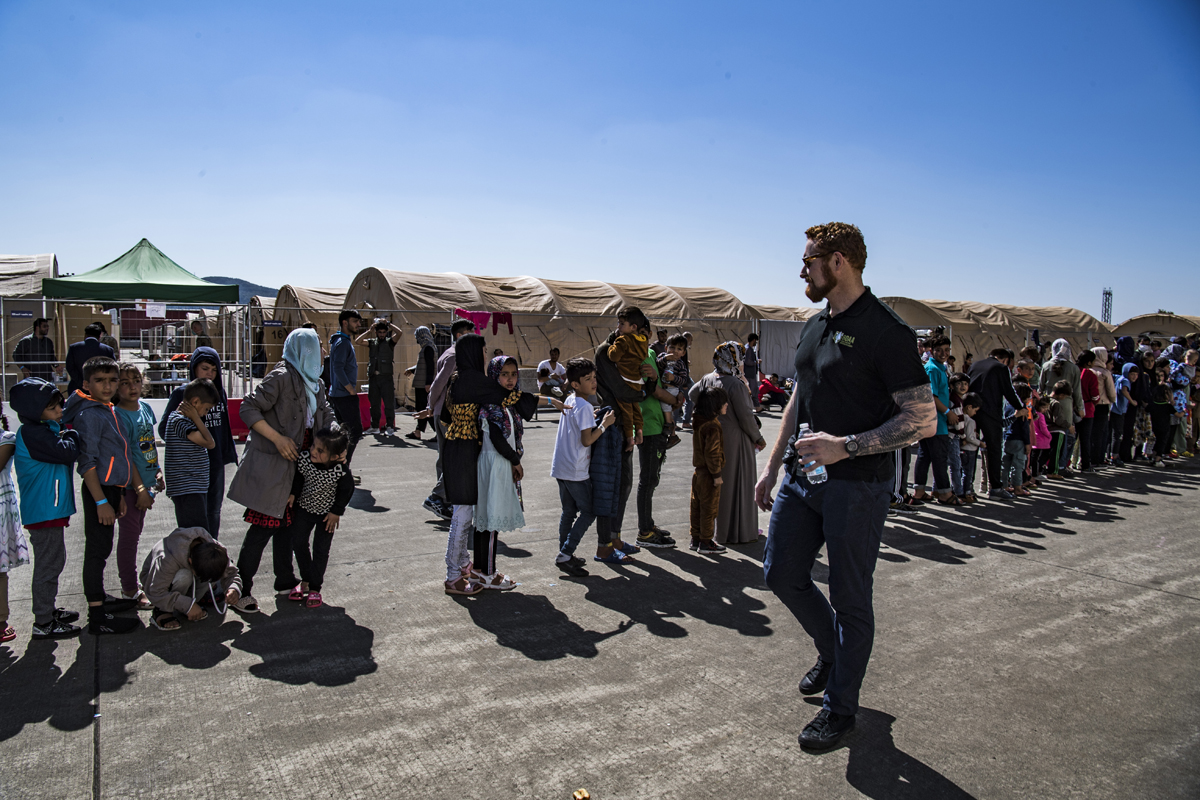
[(281, 550), (1127, 433), (1160, 421), (422, 398), (312, 564), (485, 552), (97, 540), (1100, 434), (1083, 435)]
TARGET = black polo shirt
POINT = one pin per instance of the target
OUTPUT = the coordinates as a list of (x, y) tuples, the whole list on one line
[(847, 369)]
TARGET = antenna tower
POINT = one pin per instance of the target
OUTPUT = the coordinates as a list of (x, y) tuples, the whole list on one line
[(1106, 306)]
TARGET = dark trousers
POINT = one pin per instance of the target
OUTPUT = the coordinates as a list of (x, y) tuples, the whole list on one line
[(485, 551), (216, 496), (1100, 434), (1160, 423), (847, 517), (97, 540), (609, 528), (969, 459), (1083, 435), (992, 432), (439, 488), (312, 563), (191, 510), (422, 399), (382, 390), (651, 454), (350, 417), (1058, 443), (281, 550), (934, 452), (1127, 433), (1116, 434)]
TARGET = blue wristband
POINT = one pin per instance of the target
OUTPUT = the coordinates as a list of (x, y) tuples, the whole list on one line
[(102, 502)]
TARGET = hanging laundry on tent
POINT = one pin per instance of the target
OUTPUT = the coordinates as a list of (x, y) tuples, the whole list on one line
[(478, 318), (499, 319)]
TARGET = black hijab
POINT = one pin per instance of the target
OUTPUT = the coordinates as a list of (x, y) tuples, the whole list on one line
[(471, 383)]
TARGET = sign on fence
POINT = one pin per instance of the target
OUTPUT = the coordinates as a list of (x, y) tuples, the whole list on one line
[(21, 314)]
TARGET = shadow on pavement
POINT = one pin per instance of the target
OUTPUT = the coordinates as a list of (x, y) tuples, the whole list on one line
[(34, 688), (879, 769), (653, 596), (363, 500), (531, 625), (297, 645)]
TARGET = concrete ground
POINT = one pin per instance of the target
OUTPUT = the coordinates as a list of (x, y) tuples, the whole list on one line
[(1043, 648)]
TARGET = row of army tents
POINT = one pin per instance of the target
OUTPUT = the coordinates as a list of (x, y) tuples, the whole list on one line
[(526, 316)]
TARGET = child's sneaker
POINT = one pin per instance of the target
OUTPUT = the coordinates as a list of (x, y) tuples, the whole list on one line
[(674, 440), (710, 546), (63, 615), (370, 431), (653, 539), (101, 622)]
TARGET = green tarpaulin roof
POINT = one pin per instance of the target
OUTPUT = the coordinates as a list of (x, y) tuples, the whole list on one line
[(144, 273)]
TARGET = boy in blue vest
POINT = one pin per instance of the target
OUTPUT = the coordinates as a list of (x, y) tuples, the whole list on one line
[(43, 462)]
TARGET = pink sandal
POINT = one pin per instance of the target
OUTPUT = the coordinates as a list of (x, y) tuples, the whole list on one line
[(9, 634), (313, 600), (297, 595)]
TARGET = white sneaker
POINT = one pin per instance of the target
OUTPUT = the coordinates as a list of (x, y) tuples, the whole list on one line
[(390, 431), (370, 431)]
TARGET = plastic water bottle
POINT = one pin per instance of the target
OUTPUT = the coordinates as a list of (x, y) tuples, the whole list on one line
[(818, 475)]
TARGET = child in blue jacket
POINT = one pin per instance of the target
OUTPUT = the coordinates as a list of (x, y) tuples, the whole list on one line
[(43, 458)]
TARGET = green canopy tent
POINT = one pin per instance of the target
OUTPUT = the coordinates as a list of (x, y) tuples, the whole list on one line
[(144, 273)]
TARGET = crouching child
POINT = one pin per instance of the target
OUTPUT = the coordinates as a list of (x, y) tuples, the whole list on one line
[(183, 573)]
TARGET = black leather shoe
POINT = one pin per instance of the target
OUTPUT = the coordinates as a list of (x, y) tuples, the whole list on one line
[(817, 677), (825, 731)]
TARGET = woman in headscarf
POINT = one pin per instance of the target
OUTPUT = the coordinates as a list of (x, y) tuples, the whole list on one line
[(423, 373), (1062, 368), (1104, 400), (1126, 353), (281, 412), (737, 516), (1143, 392), (469, 392), (1089, 384)]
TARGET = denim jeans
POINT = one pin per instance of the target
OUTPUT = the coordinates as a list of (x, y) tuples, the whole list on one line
[(954, 461), (577, 516), (1064, 459), (1013, 466), (846, 517), (970, 459)]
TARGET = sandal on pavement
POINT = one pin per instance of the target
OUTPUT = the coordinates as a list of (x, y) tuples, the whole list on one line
[(165, 621), (9, 634), (615, 557), (246, 604), (949, 501), (313, 600), (298, 594), (498, 581), (463, 587), (143, 602)]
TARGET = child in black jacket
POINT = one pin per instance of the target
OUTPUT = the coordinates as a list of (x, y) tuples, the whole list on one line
[(321, 490)]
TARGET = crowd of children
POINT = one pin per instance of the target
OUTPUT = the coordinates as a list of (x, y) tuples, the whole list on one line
[(1062, 416)]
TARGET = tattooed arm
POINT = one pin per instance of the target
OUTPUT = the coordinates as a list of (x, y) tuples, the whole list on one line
[(915, 420)]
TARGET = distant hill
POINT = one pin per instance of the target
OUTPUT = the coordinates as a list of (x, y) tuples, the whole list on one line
[(246, 289)]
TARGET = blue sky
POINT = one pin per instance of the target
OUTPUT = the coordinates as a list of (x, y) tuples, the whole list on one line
[(1026, 152)]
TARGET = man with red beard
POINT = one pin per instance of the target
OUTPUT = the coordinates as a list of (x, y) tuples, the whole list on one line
[(862, 391)]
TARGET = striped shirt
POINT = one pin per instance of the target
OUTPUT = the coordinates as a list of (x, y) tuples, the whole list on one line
[(185, 463)]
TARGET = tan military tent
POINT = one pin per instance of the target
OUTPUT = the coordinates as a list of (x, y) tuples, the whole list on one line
[(1158, 326)]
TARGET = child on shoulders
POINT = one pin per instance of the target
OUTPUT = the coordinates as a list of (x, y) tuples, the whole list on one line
[(321, 491), (627, 353)]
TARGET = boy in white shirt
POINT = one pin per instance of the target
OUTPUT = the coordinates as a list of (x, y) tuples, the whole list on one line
[(577, 431)]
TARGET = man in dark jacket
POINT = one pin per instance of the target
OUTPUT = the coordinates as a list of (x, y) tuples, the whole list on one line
[(35, 354), (79, 353), (991, 379), (206, 364)]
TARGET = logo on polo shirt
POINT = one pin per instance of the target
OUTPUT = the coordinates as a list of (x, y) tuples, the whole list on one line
[(844, 339)]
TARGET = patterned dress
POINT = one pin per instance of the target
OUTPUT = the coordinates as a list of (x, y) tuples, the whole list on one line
[(14, 548), (498, 508)]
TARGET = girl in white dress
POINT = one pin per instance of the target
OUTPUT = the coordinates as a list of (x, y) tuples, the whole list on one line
[(14, 548), (498, 508)]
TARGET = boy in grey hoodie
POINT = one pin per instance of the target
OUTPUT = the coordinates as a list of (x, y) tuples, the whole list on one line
[(180, 570), (106, 470)]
